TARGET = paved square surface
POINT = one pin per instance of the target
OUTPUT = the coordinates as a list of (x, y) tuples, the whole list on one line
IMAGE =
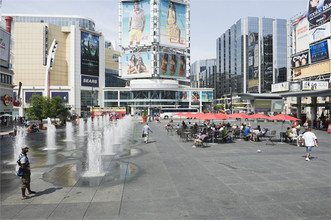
[(172, 180)]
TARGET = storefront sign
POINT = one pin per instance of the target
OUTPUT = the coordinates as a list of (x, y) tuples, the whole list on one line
[(6, 99), (280, 87), (315, 85)]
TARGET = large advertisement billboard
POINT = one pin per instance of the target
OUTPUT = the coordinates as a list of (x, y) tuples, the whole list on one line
[(253, 60), (172, 24), (89, 54), (4, 48), (300, 59), (172, 65), (136, 21), (302, 35), (136, 65), (319, 52), (315, 85), (318, 11)]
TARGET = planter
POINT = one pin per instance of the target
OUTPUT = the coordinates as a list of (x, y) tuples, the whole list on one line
[(144, 118)]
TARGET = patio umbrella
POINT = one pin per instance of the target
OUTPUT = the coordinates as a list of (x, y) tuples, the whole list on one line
[(259, 116), (238, 115), (221, 116), (208, 116), (284, 117)]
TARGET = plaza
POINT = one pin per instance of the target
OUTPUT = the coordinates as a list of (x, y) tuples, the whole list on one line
[(168, 179)]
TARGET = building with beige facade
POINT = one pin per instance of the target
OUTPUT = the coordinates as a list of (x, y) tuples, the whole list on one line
[(78, 71)]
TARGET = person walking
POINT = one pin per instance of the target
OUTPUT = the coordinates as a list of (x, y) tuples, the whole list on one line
[(23, 161), (146, 129), (309, 140)]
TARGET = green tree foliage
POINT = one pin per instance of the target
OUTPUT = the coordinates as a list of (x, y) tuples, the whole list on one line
[(145, 112), (44, 107), (219, 106)]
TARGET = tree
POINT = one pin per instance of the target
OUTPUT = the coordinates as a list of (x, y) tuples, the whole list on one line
[(44, 107), (35, 111), (219, 106)]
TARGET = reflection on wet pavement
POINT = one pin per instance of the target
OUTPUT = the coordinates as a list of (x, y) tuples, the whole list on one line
[(71, 175)]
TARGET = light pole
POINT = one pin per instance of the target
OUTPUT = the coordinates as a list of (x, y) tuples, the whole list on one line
[(92, 96)]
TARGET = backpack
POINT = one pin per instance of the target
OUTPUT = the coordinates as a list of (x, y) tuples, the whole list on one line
[(19, 169)]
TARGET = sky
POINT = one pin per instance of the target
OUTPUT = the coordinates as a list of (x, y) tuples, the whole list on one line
[(209, 18)]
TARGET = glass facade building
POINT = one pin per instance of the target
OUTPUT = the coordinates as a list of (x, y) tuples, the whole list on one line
[(251, 56)]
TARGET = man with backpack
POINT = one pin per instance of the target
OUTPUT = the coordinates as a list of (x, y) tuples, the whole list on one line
[(23, 162)]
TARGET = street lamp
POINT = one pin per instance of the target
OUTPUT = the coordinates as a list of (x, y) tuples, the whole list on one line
[(92, 96)]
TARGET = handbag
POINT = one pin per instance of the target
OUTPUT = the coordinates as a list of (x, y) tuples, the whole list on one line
[(143, 135), (19, 171)]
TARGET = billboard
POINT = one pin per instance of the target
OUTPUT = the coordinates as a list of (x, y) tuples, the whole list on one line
[(89, 54), (253, 60), (183, 95), (136, 65), (136, 23), (318, 11), (300, 59), (315, 85), (195, 97), (263, 105), (320, 32), (280, 87), (4, 48), (172, 65), (172, 24), (319, 51), (302, 35), (207, 96)]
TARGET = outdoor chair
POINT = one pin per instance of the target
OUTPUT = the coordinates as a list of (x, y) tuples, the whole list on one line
[(270, 137), (202, 143)]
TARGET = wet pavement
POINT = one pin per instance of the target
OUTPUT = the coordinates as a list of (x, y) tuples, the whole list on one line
[(168, 179)]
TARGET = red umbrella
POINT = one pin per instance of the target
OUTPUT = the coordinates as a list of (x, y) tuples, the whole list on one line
[(221, 116), (208, 116), (284, 117), (258, 116), (238, 115)]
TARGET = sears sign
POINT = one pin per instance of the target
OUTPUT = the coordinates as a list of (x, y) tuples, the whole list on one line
[(90, 81)]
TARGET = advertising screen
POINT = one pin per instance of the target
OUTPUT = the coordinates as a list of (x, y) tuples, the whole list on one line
[(172, 65), (183, 95), (89, 54), (319, 51), (262, 105), (172, 23), (207, 96), (136, 65), (195, 98), (136, 23), (300, 59), (318, 11), (253, 52), (4, 48)]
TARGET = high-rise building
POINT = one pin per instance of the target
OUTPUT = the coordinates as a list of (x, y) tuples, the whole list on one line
[(251, 56), (155, 40), (203, 74)]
